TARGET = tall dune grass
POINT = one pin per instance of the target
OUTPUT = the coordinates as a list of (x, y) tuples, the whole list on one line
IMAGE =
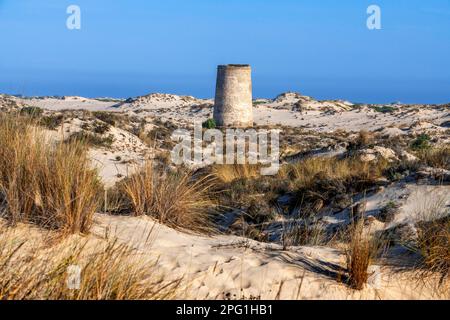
[(44, 182), (434, 247), (173, 198), (433, 242), (436, 157), (360, 253)]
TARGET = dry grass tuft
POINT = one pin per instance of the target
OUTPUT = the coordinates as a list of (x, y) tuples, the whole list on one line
[(360, 253), (433, 242), (229, 173), (364, 138), (304, 233), (46, 183), (436, 157), (434, 246), (305, 172), (173, 198)]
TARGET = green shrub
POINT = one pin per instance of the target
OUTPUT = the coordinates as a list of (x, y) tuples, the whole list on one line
[(421, 142), (209, 124), (383, 109), (92, 139), (257, 103), (51, 122), (100, 127), (108, 117), (31, 111)]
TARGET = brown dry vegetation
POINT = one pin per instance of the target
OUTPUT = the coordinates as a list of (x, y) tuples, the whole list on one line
[(360, 253), (433, 242), (434, 246), (436, 157), (230, 173), (364, 139), (305, 173), (177, 199), (433, 237), (307, 186), (49, 184)]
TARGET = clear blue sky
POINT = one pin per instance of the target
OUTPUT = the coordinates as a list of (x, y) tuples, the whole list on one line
[(320, 48)]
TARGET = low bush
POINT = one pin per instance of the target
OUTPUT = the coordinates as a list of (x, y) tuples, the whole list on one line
[(422, 142), (107, 117), (52, 121), (436, 157), (305, 173), (31, 111), (209, 124), (383, 109), (100, 127), (91, 139)]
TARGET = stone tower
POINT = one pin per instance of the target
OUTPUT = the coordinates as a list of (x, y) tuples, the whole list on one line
[(233, 104)]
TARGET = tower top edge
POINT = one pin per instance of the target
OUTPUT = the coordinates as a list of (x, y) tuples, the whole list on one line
[(231, 66)]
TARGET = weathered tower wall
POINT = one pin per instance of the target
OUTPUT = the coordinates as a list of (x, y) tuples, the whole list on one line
[(233, 104)]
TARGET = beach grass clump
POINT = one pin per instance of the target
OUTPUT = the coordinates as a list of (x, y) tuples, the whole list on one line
[(433, 237), (436, 157), (47, 183), (227, 173), (434, 247), (360, 253), (174, 198)]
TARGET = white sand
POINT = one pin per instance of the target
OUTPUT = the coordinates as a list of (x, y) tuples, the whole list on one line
[(212, 267)]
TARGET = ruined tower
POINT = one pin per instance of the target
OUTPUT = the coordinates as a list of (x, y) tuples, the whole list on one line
[(233, 104)]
